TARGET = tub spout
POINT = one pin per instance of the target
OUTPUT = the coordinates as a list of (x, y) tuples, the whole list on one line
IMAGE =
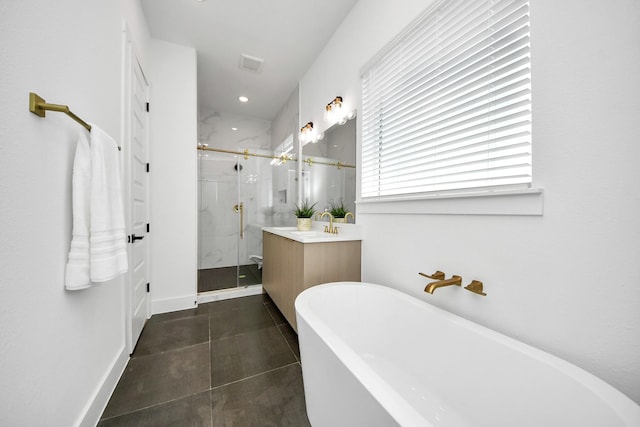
[(454, 281)]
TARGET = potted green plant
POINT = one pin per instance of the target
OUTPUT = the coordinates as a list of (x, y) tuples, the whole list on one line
[(338, 212), (304, 212)]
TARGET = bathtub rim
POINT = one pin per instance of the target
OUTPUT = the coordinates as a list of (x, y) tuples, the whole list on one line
[(395, 405), (622, 405)]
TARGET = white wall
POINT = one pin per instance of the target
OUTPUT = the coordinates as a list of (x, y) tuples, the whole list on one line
[(567, 281), (285, 123), (60, 352), (173, 177)]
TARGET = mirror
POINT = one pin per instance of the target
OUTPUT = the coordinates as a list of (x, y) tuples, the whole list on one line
[(328, 169)]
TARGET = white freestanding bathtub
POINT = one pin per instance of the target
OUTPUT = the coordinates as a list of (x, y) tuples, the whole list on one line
[(373, 356)]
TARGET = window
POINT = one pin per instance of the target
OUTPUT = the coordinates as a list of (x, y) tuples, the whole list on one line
[(447, 107)]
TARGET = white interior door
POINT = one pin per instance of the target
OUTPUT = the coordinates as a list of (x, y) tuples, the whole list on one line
[(136, 136), (139, 214)]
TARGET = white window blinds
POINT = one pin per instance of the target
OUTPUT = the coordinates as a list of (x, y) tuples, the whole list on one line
[(448, 106)]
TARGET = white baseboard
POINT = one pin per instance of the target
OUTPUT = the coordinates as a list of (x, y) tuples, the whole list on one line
[(173, 304), (97, 404), (229, 293)]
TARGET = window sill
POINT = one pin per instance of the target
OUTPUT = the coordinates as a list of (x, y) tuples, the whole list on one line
[(506, 202)]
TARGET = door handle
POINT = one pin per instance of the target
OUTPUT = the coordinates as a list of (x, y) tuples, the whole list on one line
[(240, 209), (134, 238)]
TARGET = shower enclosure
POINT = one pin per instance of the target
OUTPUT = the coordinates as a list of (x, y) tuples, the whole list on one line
[(235, 202), (243, 185)]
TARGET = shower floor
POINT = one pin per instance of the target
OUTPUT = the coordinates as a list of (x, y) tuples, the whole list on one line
[(214, 279)]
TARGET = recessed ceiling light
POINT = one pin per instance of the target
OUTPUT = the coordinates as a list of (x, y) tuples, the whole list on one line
[(234, 128), (243, 99)]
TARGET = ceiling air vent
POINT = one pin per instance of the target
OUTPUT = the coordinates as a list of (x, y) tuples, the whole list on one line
[(251, 63)]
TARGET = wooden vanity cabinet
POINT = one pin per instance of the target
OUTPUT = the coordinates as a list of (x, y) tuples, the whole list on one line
[(289, 267)]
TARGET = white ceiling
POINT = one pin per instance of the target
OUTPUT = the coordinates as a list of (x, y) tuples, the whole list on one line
[(286, 34)]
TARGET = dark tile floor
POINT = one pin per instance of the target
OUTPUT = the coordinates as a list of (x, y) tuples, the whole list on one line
[(226, 363), (214, 279)]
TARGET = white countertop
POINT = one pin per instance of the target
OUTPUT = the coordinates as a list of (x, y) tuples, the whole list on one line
[(346, 232)]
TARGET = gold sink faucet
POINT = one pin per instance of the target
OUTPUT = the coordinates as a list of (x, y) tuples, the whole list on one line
[(329, 228), (454, 281)]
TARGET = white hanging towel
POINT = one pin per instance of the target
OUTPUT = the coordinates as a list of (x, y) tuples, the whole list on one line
[(98, 247), (77, 274), (108, 244)]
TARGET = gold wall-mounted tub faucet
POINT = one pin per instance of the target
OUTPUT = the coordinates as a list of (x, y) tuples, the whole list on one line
[(476, 287), (454, 281), (438, 275)]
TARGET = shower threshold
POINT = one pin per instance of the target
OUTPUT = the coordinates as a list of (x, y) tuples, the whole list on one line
[(222, 294)]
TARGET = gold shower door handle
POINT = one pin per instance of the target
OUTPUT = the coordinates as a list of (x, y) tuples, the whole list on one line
[(240, 208)]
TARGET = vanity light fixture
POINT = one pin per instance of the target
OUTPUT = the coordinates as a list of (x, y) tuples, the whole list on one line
[(309, 135), (243, 99), (305, 133), (307, 128), (335, 112), (234, 129)]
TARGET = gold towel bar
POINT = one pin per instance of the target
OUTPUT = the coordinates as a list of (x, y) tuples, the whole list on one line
[(39, 106)]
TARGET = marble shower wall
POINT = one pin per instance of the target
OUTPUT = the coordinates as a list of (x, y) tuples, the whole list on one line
[(226, 180)]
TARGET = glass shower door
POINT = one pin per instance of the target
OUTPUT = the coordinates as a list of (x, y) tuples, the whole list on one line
[(255, 199), (235, 194), (217, 222)]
